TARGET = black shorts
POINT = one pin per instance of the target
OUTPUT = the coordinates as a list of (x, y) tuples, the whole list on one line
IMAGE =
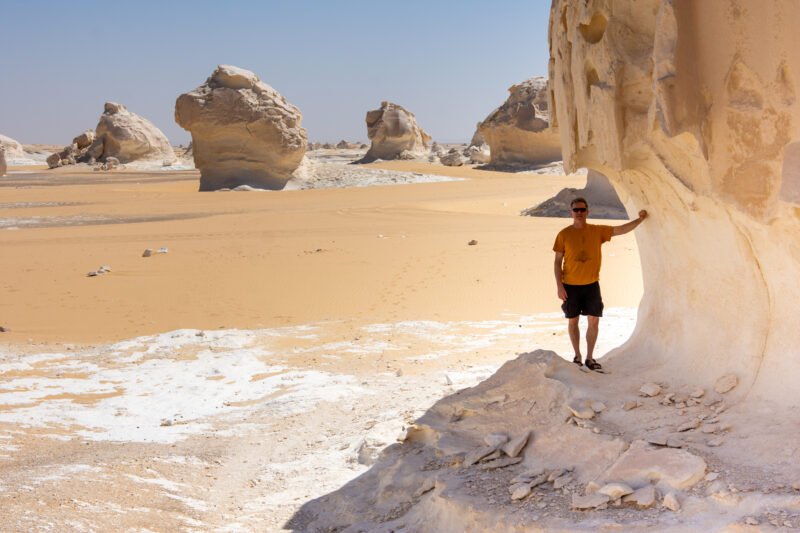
[(583, 300)]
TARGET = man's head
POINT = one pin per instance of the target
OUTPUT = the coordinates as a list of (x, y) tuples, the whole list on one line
[(580, 209)]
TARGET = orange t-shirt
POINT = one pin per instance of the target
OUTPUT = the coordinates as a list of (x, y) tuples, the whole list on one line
[(581, 249)]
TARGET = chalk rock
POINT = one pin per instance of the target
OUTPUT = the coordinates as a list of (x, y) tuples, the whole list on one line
[(53, 161), (599, 193), (478, 154), (713, 154), (12, 148), (128, 137), (496, 439), (84, 140), (641, 464), (452, 159), (697, 392), (615, 491), (589, 501), (392, 130), (3, 164), (726, 383), (582, 409), (513, 447), (520, 491), (243, 131), (650, 389), (477, 138), (643, 497), (518, 131), (671, 502)]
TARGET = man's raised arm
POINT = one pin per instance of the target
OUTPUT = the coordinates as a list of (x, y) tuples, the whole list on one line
[(629, 226)]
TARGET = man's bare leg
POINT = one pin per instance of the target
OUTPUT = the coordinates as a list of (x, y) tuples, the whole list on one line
[(575, 336), (591, 336)]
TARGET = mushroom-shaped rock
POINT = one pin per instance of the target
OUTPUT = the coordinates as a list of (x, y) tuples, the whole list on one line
[(128, 137), (12, 148), (703, 130), (243, 131), (393, 129), (518, 132)]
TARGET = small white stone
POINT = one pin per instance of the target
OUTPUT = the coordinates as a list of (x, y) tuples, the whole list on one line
[(644, 497), (399, 372), (495, 439), (671, 502), (726, 383), (590, 501), (162, 250), (520, 491), (616, 490), (697, 392), (715, 442), (711, 476), (650, 389), (92, 273), (447, 380)]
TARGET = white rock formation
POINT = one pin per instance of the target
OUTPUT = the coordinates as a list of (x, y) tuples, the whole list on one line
[(243, 131), (702, 128), (393, 129), (518, 132), (128, 137), (13, 148), (602, 198)]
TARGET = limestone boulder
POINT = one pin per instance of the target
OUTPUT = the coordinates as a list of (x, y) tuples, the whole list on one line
[(128, 137), (243, 131), (84, 140), (12, 148), (602, 198), (702, 129), (477, 138), (518, 132), (393, 130)]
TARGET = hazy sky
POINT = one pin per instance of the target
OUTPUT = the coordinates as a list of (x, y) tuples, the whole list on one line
[(450, 62)]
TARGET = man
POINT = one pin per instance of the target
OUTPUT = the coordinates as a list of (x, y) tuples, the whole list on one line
[(577, 270)]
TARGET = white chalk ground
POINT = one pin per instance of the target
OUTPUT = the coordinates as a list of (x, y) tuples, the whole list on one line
[(232, 430)]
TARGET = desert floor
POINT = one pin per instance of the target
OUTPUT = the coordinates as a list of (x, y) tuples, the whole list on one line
[(278, 345)]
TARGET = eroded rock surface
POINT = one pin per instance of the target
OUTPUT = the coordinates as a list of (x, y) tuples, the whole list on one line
[(518, 132), (126, 136), (394, 133), (12, 148), (702, 129), (243, 131)]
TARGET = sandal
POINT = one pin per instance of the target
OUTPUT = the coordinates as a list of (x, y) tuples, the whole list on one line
[(577, 361), (591, 364)]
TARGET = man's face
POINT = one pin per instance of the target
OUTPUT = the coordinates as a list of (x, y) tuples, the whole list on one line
[(579, 211)]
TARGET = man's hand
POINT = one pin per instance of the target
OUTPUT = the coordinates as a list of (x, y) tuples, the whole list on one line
[(562, 292), (642, 214), (625, 228)]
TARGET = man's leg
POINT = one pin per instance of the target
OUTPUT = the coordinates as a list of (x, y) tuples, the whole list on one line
[(575, 336), (591, 336)]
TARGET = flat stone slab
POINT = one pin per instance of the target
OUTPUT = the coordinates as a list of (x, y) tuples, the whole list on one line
[(590, 501), (668, 467)]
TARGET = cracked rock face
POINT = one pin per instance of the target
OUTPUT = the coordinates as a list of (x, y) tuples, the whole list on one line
[(393, 129), (243, 131), (126, 136), (518, 132), (702, 129)]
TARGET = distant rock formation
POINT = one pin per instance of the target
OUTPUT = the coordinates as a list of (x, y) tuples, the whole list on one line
[(599, 193), (120, 134), (395, 134), (128, 137), (12, 148), (518, 132), (3, 164), (243, 131), (453, 158)]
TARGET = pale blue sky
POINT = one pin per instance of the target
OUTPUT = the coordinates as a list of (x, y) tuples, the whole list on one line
[(449, 62)]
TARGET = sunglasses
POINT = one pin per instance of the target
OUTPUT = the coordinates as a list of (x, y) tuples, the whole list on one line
[(578, 209)]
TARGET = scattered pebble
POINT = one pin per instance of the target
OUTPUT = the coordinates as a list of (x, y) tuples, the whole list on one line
[(473, 242), (650, 389), (496, 439), (590, 501), (726, 383), (715, 442), (147, 253), (693, 424), (515, 446), (562, 481), (697, 393), (581, 409), (630, 404), (447, 380), (644, 497), (520, 491), (671, 502), (399, 372), (711, 476), (615, 491), (4, 329)]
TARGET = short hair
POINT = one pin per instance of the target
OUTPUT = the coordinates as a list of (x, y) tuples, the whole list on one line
[(579, 199)]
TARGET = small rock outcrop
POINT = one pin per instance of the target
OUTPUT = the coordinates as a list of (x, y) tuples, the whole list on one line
[(12, 148), (394, 133), (128, 137), (518, 132), (243, 131), (602, 198), (3, 164)]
